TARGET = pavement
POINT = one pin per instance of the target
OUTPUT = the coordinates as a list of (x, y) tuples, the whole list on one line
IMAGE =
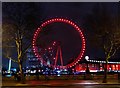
[(59, 83)]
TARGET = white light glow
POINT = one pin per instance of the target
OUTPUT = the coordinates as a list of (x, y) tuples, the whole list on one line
[(9, 66), (87, 58)]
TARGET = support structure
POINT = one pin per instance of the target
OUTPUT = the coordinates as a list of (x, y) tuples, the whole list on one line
[(56, 58)]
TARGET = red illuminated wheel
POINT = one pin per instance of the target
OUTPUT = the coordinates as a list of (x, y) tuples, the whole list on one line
[(38, 31)]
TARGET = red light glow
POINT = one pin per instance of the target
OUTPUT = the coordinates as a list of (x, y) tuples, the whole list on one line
[(35, 49)]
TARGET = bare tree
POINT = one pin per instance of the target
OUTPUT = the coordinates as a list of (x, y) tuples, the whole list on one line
[(18, 21), (105, 31)]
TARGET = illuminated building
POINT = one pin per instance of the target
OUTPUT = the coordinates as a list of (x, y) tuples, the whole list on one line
[(98, 65), (32, 60)]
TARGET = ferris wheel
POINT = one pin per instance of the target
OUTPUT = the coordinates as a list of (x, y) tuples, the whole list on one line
[(53, 50)]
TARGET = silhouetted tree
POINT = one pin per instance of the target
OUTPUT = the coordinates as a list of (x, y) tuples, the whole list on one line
[(18, 23), (104, 32)]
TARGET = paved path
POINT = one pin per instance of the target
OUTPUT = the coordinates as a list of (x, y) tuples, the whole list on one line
[(60, 83)]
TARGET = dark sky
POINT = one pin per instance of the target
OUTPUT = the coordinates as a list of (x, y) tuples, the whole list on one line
[(75, 12)]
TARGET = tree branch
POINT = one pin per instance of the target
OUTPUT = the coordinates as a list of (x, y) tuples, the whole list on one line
[(12, 59), (27, 48), (25, 51), (111, 48), (115, 51), (105, 49)]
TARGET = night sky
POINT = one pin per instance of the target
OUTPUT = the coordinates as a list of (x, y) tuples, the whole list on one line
[(70, 40)]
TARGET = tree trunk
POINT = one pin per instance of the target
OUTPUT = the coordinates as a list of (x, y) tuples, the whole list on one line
[(20, 52), (105, 72), (87, 75), (118, 77), (21, 73)]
